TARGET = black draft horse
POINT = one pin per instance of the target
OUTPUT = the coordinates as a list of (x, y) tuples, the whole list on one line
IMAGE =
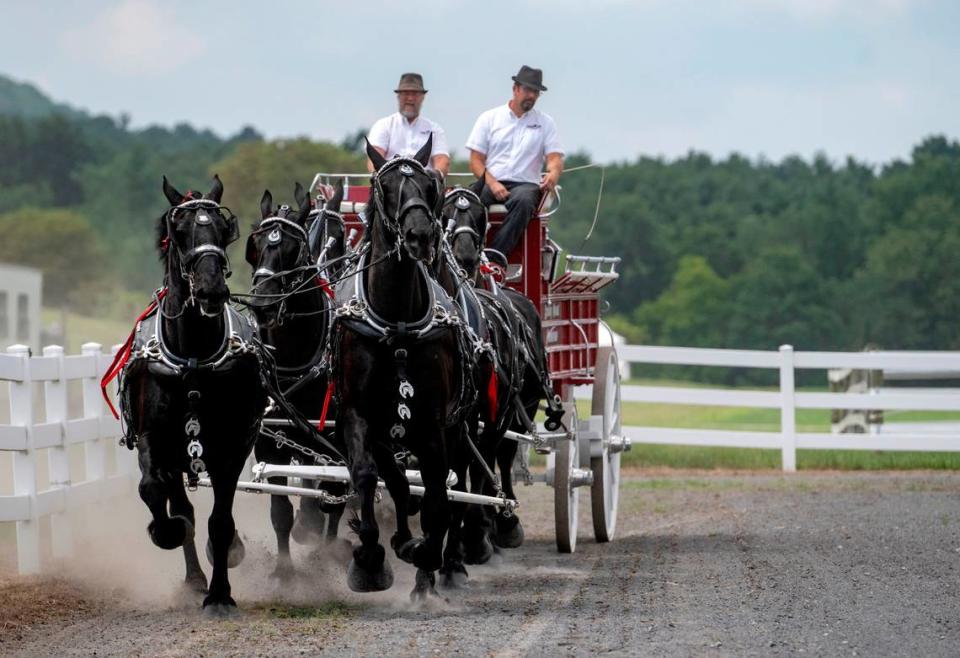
[(293, 312), (523, 378), (192, 392), (403, 375)]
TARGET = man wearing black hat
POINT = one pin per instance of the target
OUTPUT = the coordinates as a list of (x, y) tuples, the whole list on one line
[(508, 146), (404, 132)]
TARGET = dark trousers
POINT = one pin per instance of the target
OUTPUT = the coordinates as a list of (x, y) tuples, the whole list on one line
[(521, 204)]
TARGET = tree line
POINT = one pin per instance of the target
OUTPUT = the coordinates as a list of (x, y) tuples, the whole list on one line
[(729, 252)]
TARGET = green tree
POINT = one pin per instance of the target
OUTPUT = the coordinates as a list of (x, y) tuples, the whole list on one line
[(64, 247)]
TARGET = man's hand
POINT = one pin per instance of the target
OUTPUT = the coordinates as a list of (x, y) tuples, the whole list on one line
[(549, 182), (500, 192)]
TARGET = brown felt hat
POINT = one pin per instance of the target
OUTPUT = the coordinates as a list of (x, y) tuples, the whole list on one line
[(410, 82), (530, 77)]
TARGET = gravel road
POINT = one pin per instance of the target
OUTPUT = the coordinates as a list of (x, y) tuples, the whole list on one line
[(704, 564)]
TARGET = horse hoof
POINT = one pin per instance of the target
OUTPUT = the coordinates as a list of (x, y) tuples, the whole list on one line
[(304, 532), (195, 583), (235, 553), (425, 587), (170, 533), (478, 552), (407, 551), (453, 577), (509, 532), (360, 580), (219, 609), (284, 571)]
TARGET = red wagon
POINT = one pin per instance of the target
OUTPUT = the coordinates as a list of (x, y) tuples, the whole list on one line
[(566, 291)]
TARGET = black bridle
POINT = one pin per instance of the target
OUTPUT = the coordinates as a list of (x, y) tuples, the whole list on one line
[(462, 199), (408, 168), (187, 261)]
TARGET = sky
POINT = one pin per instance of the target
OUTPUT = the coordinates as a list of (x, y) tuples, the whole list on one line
[(763, 78)]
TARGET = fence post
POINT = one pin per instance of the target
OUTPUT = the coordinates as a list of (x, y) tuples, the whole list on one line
[(55, 402), (788, 416), (95, 456), (24, 468)]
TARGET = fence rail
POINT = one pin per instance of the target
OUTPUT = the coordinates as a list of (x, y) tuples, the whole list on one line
[(109, 470), (105, 476), (921, 365)]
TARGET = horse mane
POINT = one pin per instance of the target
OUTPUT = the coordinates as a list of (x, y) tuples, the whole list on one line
[(161, 233)]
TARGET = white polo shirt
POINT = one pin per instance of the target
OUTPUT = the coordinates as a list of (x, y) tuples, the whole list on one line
[(515, 147), (397, 136)]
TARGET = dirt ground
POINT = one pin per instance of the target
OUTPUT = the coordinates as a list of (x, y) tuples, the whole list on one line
[(704, 564)]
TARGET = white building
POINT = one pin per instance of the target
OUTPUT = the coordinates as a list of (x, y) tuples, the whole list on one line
[(20, 301)]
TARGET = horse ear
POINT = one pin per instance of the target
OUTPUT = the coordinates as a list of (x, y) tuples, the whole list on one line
[(334, 202), (266, 204), (423, 155), (216, 192), (174, 197), (300, 194), (374, 155), (304, 202)]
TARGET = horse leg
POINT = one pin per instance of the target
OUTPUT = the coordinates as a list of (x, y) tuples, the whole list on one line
[(369, 570), (453, 573), (395, 477), (337, 546), (180, 506), (308, 524), (478, 549), (281, 517), (166, 532), (223, 539), (508, 532), (434, 516)]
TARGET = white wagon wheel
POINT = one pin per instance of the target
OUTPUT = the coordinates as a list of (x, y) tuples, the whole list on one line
[(605, 464), (566, 496)]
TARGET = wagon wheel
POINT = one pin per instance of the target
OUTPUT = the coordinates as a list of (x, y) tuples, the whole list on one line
[(566, 496), (605, 464)]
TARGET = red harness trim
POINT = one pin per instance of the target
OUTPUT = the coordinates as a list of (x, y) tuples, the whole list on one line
[(123, 355), (325, 285), (326, 406), (492, 395)]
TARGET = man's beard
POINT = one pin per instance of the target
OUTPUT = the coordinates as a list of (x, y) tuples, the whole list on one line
[(408, 113), (526, 106)]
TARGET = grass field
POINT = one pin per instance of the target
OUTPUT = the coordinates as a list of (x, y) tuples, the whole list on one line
[(764, 420)]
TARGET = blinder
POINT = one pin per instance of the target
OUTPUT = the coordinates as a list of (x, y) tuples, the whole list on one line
[(462, 198)]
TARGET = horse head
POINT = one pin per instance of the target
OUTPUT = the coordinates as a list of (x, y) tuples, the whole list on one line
[(193, 236), (278, 250), (406, 198), (465, 219)]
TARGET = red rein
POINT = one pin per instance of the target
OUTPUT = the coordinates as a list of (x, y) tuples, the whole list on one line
[(123, 355)]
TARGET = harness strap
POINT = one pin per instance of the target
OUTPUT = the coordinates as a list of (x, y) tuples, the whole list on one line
[(123, 354), (326, 406)]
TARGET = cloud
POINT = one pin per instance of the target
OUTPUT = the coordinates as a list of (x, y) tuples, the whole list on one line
[(137, 37)]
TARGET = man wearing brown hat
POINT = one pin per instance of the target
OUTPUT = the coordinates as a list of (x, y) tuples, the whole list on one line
[(508, 146), (405, 132)]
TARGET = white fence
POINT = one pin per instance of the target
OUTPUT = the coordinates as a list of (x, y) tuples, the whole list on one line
[(26, 438), (110, 470), (787, 400)]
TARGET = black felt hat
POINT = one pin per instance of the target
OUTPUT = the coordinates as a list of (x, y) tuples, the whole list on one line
[(530, 77)]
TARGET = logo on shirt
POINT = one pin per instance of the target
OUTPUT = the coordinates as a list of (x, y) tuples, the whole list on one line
[(535, 125)]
